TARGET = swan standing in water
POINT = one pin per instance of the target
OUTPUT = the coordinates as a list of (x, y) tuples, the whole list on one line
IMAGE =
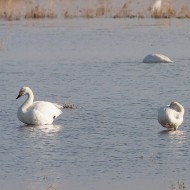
[(39, 112), (171, 116)]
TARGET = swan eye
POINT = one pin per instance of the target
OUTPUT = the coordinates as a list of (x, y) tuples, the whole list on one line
[(19, 95), (22, 92)]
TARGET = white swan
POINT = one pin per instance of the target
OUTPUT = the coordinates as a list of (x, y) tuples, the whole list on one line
[(171, 116), (156, 7), (39, 112), (156, 58)]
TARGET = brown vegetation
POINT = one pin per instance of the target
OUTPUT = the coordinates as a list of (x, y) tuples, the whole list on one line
[(38, 12), (34, 9), (124, 12), (10, 10), (178, 186), (164, 11), (184, 12), (69, 106)]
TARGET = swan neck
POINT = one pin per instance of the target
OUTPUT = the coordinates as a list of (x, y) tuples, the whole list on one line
[(29, 100), (180, 108)]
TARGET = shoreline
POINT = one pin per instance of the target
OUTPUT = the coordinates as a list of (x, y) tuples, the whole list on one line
[(22, 9)]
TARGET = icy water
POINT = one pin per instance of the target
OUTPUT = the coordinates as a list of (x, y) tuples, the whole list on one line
[(112, 140)]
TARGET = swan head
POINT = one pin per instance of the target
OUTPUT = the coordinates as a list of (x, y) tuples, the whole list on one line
[(23, 91), (177, 106)]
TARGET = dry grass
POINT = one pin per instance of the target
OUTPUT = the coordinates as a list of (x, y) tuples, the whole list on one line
[(124, 12), (33, 9), (18, 9), (184, 12), (178, 186), (164, 11), (69, 106), (11, 10), (35, 12)]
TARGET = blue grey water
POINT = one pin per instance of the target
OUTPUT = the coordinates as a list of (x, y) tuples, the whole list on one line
[(112, 140)]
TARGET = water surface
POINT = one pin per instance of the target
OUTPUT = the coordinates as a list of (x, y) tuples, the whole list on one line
[(112, 140)]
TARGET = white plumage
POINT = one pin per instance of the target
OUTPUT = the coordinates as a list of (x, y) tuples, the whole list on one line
[(171, 116), (39, 112), (156, 58), (157, 6)]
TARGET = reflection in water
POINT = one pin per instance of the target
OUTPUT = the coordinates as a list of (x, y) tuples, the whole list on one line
[(176, 138), (40, 148), (50, 128), (172, 133), (176, 133), (47, 129)]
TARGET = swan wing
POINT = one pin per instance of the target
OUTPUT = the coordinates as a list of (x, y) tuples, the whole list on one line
[(46, 108), (169, 118), (43, 112), (163, 117)]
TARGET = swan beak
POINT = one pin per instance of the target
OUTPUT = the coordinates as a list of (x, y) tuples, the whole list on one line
[(18, 96)]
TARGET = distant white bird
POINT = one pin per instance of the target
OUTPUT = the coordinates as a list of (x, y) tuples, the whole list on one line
[(171, 116), (156, 7), (156, 58), (39, 112)]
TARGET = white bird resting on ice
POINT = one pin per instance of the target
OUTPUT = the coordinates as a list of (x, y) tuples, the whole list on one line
[(39, 112), (171, 116), (156, 58)]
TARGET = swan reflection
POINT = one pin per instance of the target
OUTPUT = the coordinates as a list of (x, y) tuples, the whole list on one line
[(50, 128), (47, 129), (175, 137), (172, 132)]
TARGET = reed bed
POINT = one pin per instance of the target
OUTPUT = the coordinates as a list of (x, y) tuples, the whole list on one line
[(69, 106), (33, 9)]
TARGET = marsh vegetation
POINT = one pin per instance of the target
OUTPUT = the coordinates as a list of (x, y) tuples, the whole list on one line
[(33, 9)]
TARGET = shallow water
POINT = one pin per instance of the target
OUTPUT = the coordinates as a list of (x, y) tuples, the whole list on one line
[(112, 140)]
